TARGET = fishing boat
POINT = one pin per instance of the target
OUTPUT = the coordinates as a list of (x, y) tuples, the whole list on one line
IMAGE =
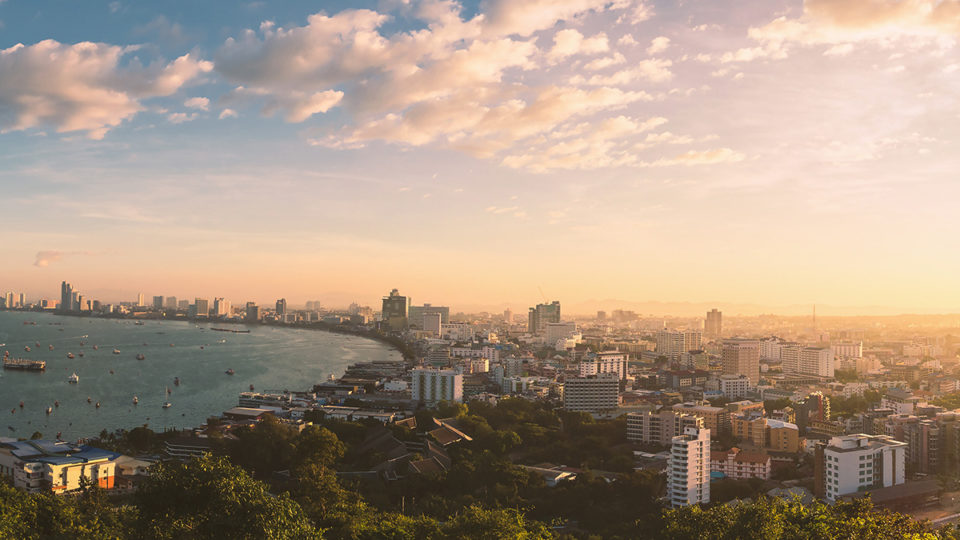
[(98, 404), (169, 391), (70, 355), (140, 356), (229, 371), (176, 381), (251, 388), (167, 405), (136, 400), (73, 378), (21, 404), (27, 365), (27, 348), (51, 346), (89, 400), (49, 410), (116, 351), (95, 347), (56, 403), (81, 354), (111, 372)]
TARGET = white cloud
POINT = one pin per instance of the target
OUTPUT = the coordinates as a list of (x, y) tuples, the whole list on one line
[(626, 40), (658, 45), (82, 87), (227, 113), (201, 103), (700, 157), (653, 70), (180, 117), (605, 62), (569, 42)]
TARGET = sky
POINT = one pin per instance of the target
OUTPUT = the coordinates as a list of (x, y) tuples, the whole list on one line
[(474, 154)]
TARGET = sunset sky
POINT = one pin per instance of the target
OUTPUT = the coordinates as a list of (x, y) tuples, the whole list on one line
[(767, 152)]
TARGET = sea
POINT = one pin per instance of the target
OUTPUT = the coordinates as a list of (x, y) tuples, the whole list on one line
[(272, 359)]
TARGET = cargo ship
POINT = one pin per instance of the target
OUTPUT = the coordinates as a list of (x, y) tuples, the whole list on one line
[(20, 363)]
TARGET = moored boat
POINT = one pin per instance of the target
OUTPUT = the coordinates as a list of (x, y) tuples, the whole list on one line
[(73, 378)]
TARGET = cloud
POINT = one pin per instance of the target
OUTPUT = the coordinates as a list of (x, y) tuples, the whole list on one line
[(658, 45), (227, 113), (201, 103), (44, 258), (653, 70), (82, 87), (700, 157), (455, 82), (839, 24), (180, 117), (569, 42)]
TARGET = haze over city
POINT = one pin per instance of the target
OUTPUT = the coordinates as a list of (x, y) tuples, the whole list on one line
[(776, 154)]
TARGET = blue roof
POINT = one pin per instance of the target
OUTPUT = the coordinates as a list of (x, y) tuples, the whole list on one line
[(58, 452)]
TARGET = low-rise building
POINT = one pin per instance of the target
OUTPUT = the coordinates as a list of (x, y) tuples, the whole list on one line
[(659, 427), (740, 465), (854, 463), (592, 394), (715, 419), (55, 466)]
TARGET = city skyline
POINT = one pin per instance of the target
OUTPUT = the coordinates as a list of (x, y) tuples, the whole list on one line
[(779, 153)]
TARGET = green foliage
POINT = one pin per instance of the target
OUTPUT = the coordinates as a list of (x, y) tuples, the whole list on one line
[(211, 498), (773, 519), (771, 405), (949, 401), (841, 406), (846, 375), (729, 489)]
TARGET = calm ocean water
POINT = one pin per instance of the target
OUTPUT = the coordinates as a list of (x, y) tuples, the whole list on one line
[(271, 359)]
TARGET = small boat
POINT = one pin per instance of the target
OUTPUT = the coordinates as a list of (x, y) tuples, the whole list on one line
[(89, 400), (176, 381), (27, 348), (201, 347), (81, 354), (73, 378), (21, 404), (167, 405), (140, 356), (171, 344), (70, 355), (49, 410), (251, 388), (56, 403), (116, 351), (37, 343), (111, 372), (136, 400), (98, 404), (169, 391), (95, 347), (51, 347), (229, 371), (332, 378)]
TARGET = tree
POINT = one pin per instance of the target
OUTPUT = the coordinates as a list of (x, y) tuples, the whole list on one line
[(483, 524), (209, 497)]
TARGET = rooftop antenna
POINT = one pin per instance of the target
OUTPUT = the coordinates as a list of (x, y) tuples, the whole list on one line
[(542, 295)]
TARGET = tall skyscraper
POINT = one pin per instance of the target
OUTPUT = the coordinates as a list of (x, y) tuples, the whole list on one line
[(202, 306), (508, 316), (713, 328), (157, 302), (281, 307), (141, 302), (416, 313), (541, 314), (170, 302), (395, 311), (221, 307), (67, 297), (742, 357), (688, 468), (253, 312)]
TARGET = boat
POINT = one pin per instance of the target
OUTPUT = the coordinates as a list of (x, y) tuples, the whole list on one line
[(229, 371), (36, 343), (70, 355), (81, 354), (26, 365), (49, 410), (140, 356), (51, 347), (176, 381), (169, 391), (230, 330), (21, 404), (138, 323), (171, 344), (73, 378), (56, 403), (89, 400), (136, 400), (251, 388), (167, 405), (111, 372), (27, 348), (98, 404), (116, 351), (95, 347)]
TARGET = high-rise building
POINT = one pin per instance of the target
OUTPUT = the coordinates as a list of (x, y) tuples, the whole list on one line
[(8, 301), (141, 302), (67, 297), (416, 313), (508, 316), (659, 427), (592, 394), (395, 311), (433, 323), (252, 312), (857, 463), (21, 300), (281, 309), (202, 306), (605, 362), (796, 358), (688, 468), (170, 302), (673, 343), (221, 307), (742, 357), (555, 331), (157, 302), (432, 386), (601, 316), (183, 305), (541, 314), (713, 328)]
